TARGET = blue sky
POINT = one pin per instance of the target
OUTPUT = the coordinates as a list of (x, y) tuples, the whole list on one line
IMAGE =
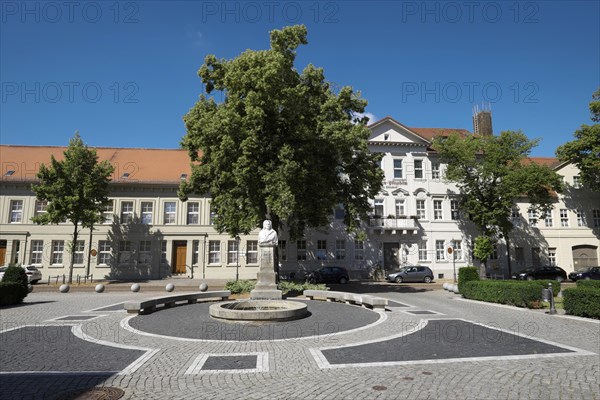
[(124, 73)]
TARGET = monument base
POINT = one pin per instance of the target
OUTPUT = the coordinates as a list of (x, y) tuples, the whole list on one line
[(266, 288)]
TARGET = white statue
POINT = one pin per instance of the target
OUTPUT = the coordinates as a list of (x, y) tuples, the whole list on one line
[(267, 234)]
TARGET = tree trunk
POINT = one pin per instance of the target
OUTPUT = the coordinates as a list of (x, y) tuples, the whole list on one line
[(71, 261), (508, 256)]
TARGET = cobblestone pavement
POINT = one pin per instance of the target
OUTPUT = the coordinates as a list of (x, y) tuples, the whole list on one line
[(566, 366)]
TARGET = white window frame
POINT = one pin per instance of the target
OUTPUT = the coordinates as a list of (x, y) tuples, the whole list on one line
[(170, 216), (552, 256), (400, 208), (301, 250), (581, 221), (37, 252), (359, 250), (435, 170), (532, 217), (577, 182), (145, 252), (564, 217), (193, 213), (321, 249), (438, 210), (423, 251), (378, 204), (104, 252), (58, 249), (549, 219), (419, 170), (398, 171), (340, 249), (40, 207), (214, 252), (457, 250), (420, 209), (596, 217), (16, 212), (126, 212), (454, 211), (232, 252), (440, 250), (79, 254), (108, 212), (147, 212), (252, 252)]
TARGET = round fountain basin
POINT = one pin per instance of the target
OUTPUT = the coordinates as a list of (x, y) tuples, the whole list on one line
[(259, 310)]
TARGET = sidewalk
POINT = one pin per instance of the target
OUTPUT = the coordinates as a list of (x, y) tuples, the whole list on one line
[(182, 284)]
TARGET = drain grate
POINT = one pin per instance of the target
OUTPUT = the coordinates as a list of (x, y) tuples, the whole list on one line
[(96, 393)]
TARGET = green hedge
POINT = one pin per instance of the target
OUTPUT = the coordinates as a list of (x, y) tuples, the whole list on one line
[(588, 283), (466, 274), (15, 273), (582, 301), (11, 293), (241, 286), (516, 293)]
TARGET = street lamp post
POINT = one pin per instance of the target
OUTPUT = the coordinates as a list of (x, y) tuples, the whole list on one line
[(237, 258)]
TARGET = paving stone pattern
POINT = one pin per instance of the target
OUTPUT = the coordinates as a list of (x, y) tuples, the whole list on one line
[(293, 371)]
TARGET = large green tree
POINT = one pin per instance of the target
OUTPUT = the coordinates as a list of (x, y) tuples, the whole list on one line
[(584, 151), (76, 189), (281, 144), (492, 173)]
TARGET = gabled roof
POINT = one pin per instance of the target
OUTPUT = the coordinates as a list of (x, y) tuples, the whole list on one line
[(425, 134), (141, 165), (551, 162)]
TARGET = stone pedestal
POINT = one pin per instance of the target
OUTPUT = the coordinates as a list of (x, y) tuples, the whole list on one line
[(266, 286)]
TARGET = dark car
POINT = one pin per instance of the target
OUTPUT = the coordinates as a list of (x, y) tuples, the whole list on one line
[(417, 273), (547, 272), (328, 275), (585, 273)]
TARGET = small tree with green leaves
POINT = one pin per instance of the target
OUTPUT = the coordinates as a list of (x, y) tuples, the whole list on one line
[(492, 173), (76, 189), (584, 151)]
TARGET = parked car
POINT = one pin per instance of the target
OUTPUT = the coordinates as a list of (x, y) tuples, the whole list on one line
[(585, 273), (34, 275), (417, 273), (546, 272), (328, 275)]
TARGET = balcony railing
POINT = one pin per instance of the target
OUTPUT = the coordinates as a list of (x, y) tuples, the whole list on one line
[(393, 223)]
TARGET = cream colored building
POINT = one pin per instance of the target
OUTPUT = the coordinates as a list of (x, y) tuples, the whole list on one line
[(414, 221)]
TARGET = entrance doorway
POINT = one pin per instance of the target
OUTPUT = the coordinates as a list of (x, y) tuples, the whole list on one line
[(585, 256), (179, 255), (391, 261), (2, 251)]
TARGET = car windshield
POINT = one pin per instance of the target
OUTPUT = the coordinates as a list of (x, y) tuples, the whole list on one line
[(586, 269)]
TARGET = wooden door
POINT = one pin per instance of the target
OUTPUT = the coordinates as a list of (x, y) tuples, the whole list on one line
[(2, 251), (179, 257)]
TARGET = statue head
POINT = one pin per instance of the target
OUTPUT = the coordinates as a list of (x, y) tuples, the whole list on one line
[(267, 224)]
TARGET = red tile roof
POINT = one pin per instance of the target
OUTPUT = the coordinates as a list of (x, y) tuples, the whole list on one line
[(142, 165)]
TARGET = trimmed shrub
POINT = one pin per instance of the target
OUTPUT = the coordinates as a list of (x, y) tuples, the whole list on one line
[(520, 293), (12, 293), (241, 286), (582, 301), (466, 274), (15, 273), (295, 289), (588, 283)]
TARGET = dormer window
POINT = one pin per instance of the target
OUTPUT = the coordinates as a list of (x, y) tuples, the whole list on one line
[(9, 172), (386, 136), (125, 175), (183, 177)]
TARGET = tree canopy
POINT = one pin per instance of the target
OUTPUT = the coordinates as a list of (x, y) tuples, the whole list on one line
[(76, 189), (492, 173), (584, 151), (281, 145)]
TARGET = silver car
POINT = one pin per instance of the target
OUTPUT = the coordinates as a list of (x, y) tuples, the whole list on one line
[(34, 275), (416, 273)]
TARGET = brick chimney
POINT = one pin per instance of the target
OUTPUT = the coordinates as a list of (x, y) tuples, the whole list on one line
[(482, 120)]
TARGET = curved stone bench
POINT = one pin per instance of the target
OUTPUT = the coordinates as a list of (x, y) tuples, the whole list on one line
[(363, 300), (149, 305)]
